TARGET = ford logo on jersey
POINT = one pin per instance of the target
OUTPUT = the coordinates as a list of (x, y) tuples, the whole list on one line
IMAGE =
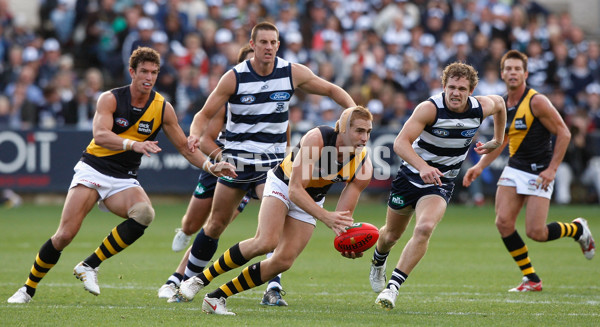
[(279, 96), (247, 99), (122, 122), (440, 132), (469, 132)]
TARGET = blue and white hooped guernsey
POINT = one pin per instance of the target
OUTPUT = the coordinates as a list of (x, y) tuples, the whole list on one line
[(257, 118), (444, 144)]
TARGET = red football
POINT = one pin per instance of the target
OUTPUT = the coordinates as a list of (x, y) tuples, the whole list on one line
[(358, 238)]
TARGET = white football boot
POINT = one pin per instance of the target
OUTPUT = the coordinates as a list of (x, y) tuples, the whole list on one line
[(216, 306), (191, 287), (89, 277), (377, 277), (20, 296), (181, 240), (167, 291), (387, 298), (586, 241)]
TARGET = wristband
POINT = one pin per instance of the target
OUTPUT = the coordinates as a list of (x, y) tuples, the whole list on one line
[(207, 162), (125, 142), (131, 145)]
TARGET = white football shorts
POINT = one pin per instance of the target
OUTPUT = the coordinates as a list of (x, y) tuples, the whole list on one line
[(277, 188), (103, 184), (525, 182)]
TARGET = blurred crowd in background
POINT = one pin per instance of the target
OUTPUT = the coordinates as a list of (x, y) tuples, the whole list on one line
[(388, 54)]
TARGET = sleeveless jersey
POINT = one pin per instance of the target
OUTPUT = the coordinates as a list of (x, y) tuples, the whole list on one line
[(327, 170), (138, 124), (445, 143), (530, 143), (257, 116)]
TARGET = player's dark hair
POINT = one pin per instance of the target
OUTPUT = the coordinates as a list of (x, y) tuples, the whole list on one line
[(514, 54), (143, 54)]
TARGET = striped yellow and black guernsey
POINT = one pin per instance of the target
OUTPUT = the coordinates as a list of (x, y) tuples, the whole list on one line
[(530, 145), (327, 170), (137, 124)]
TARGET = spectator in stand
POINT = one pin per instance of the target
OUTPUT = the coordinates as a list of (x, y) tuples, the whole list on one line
[(12, 68), (490, 83), (63, 20), (537, 66), (592, 105), (559, 66), (6, 113), (294, 52), (594, 59), (51, 112), (581, 164), (50, 64), (330, 53), (580, 77)]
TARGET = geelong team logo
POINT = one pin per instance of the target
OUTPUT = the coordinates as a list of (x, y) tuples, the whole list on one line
[(122, 122)]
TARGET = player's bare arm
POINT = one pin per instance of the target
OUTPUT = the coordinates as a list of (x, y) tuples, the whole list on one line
[(215, 102), (351, 193), (302, 169), (423, 115), (207, 141), (307, 81), (103, 124), (542, 108), (493, 105), (197, 158)]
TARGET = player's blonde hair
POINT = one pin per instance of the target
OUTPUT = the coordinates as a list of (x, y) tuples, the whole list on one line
[(350, 115)]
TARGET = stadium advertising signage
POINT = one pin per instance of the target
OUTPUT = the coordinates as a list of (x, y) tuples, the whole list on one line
[(43, 161)]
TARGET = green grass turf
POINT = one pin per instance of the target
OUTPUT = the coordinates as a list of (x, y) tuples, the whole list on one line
[(462, 281)]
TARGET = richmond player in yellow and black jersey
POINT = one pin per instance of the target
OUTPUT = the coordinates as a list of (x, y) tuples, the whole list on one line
[(125, 125), (293, 202), (529, 176)]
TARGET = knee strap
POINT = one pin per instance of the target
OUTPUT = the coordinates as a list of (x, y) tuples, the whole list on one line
[(141, 212)]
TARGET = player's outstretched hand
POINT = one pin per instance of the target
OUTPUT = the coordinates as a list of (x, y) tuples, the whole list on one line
[(223, 168), (471, 174), (488, 147), (146, 147), (338, 221)]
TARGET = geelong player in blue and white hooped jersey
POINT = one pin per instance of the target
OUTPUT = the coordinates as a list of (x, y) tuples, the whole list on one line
[(257, 92), (433, 144)]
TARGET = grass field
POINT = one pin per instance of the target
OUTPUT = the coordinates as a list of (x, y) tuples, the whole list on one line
[(462, 281)]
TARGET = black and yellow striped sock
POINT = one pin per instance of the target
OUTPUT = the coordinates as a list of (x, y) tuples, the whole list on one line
[(44, 261), (518, 250), (249, 278), (231, 259), (119, 238), (558, 230)]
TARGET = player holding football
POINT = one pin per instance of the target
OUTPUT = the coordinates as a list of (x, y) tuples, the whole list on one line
[(199, 208), (529, 176), (257, 93), (433, 144), (125, 125), (293, 201)]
